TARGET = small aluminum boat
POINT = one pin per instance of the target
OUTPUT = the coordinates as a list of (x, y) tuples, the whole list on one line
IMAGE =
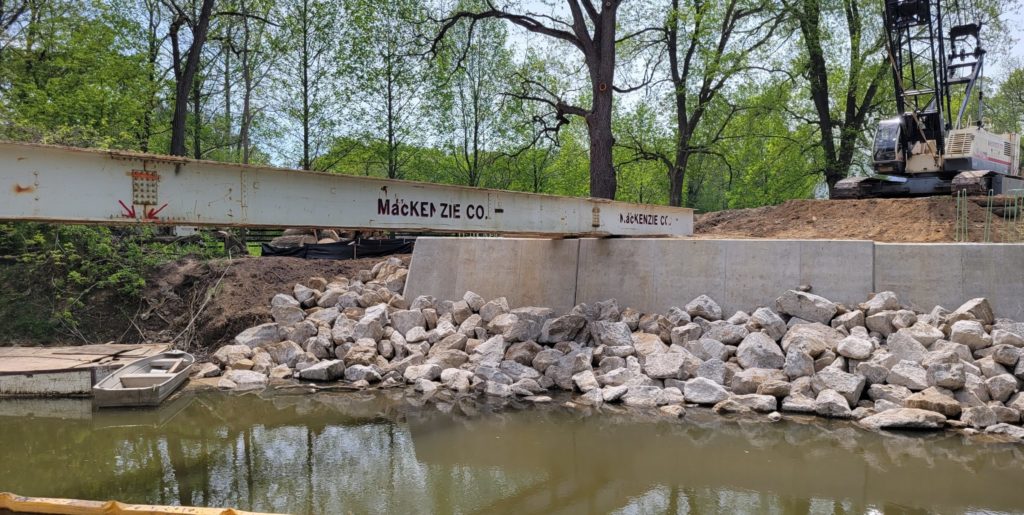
[(145, 382)]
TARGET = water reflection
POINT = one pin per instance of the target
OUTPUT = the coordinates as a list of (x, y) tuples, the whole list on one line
[(361, 453)]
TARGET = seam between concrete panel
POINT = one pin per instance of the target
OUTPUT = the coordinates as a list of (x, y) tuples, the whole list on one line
[(874, 274), (576, 283)]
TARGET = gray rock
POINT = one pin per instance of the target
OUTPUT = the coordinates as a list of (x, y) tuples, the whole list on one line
[(451, 358), (613, 393), (850, 386), (874, 371), (563, 370), (893, 393), (665, 365), (461, 312), (641, 396), (455, 341), (832, 404), (645, 344), (799, 404), (545, 358), (925, 334), (704, 391), (245, 379), (978, 417), (523, 352), (904, 347), (855, 347), (497, 389), (518, 371), (756, 402), (904, 418), (230, 354), (362, 352), (371, 329), (678, 316), (713, 369), (564, 328), (934, 399), (1001, 387), (881, 322), (748, 381), (1004, 337), (704, 307), (494, 308), (798, 364), (611, 333), (775, 388), (1007, 430), (404, 320), (305, 296), (725, 332), (909, 374), (812, 338), (286, 315), (490, 352), (280, 372), (206, 370), (770, 322), (974, 309), (758, 350), (285, 353), (706, 348), (947, 375), (474, 301), (585, 381), (684, 334), (881, 301), (343, 330), (971, 334), (406, 362), (456, 379), (426, 371), (362, 373), (327, 370), (425, 386), (1006, 355), (415, 335), (807, 306), (848, 320), (259, 335)]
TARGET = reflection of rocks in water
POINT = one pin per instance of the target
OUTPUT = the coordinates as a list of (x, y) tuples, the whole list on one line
[(376, 453)]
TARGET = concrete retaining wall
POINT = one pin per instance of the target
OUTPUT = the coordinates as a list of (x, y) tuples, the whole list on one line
[(655, 274), (529, 272)]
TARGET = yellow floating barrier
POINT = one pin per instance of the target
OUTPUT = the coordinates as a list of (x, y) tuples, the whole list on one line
[(17, 503)]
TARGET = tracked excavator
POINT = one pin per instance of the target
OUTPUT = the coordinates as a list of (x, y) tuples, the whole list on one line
[(935, 147)]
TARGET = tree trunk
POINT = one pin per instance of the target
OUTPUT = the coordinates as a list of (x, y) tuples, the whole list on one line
[(601, 63), (305, 85), (197, 121), (184, 79)]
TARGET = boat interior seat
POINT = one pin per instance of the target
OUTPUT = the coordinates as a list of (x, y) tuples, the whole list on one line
[(143, 380)]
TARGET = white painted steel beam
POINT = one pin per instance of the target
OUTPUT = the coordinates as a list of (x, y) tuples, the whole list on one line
[(59, 184)]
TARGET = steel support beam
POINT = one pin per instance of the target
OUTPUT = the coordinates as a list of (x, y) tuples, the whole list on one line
[(67, 185)]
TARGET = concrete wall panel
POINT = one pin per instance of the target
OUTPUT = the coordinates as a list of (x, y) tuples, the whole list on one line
[(529, 272), (929, 274), (655, 274)]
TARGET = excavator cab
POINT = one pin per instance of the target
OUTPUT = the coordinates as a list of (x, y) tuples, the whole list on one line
[(887, 151)]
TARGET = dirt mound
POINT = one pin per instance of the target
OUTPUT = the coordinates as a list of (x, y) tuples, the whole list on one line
[(199, 304), (931, 219)]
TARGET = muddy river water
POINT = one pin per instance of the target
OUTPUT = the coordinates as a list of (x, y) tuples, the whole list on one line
[(377, 453)]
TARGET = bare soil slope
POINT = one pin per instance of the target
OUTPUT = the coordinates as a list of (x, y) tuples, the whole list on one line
[(931, 219), (199, 304)]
